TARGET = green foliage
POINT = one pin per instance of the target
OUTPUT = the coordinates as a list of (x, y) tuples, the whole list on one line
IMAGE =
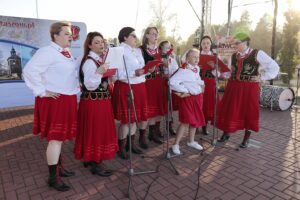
[(289, 54)]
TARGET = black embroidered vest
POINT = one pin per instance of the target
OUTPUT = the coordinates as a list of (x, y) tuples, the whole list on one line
[(104, 81), (249, 66), (147, 58)]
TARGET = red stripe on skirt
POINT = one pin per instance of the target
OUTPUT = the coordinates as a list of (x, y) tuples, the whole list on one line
[(96, 139), (190, 111), (120, 104), (55, 119), (239, 107)]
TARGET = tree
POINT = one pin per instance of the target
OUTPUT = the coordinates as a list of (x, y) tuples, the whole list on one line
[(261, 37), (289, 55), (162, 17)]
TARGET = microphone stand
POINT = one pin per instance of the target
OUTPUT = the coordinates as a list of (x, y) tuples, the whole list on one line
[(215, 131), (130, 101), (169, 117)]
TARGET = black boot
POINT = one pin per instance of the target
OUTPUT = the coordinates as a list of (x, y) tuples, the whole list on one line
[(122, 153), (86, 164), (224, 137), (142, 139), (171, 130), (54, 181), (245, 142), (204, 130), (134, 149), (96, 169), (62, 171), (153, 136), (157, 130)]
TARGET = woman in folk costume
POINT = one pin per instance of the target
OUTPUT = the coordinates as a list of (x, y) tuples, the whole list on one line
[(96, 139), (208, 72), (170, 66), (154, 83), (239, 107), (53, 76), (189, 86), (134, 62)]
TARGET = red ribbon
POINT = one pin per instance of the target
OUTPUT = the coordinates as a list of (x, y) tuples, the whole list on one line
[(66, 53)]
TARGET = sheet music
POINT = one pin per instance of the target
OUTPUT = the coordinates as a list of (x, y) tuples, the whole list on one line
[(115, 57)]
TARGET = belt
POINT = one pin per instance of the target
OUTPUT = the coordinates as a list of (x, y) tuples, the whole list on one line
[(95, 95), (246, 78)]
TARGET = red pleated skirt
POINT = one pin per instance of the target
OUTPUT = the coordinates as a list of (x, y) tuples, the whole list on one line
[(209, 98), (190, 111), (156, 96), (120, 103), (96, 139), (239, 107), (55, 119), (175, 101)]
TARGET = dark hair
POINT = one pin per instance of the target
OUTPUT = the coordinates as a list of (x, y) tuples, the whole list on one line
[(124, 32), (88, 41), (161, 44), (147, 31), (206, 37)]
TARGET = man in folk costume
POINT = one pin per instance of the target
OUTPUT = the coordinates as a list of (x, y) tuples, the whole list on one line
[(52, 75), (239, 107)]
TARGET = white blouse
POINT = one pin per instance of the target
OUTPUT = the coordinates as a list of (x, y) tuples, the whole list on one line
[(50, 70), (133, 60), (92, 79), (172, 67), (187, 80)]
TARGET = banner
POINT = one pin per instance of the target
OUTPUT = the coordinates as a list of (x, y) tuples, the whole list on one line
[(19, 40)]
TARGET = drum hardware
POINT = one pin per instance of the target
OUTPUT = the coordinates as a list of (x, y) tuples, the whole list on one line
[(275, 97)]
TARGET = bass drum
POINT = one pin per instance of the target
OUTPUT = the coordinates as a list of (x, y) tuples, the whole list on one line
[(277, 98)]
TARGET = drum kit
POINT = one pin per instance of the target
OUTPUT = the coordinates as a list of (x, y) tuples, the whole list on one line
[(277, 97)]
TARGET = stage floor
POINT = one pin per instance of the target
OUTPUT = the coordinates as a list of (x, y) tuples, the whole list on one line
[(267, 169)]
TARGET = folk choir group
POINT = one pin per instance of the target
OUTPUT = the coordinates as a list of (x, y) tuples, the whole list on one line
[(55, 79)]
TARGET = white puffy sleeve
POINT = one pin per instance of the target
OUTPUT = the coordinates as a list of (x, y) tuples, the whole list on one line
[(92, 79), (34, 71), (268, 67)]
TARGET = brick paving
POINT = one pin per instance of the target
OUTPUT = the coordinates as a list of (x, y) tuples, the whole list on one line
[(267, 169)]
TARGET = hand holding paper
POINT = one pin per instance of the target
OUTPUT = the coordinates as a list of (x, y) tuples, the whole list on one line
[(109, 72), (151, 64)]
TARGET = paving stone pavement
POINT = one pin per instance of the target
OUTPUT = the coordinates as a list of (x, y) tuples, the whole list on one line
[(267, 169)]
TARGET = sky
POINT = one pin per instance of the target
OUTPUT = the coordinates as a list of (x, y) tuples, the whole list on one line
[(109, 16)]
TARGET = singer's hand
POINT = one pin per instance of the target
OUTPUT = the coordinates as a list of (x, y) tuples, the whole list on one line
[(102, 69), (152, 69), (255, 78), (182, 95), (165, 62), (211, 64), (53, 95), (139, 72)]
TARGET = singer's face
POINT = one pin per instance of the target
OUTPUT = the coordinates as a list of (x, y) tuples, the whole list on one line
[(205, 45), (152, 36), (98, 45), (239, 46), (166, 48), (193, 58), (131, 40), (64, 38)]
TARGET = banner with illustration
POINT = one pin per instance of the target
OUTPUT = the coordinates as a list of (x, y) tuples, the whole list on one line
[(21, 37)]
